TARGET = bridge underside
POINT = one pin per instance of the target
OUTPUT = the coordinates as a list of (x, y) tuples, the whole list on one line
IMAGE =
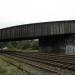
[(53, 44)]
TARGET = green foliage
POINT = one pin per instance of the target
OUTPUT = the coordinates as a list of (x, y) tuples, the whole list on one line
[(21, 45), (35, 45), (3, 44), (2, 70)]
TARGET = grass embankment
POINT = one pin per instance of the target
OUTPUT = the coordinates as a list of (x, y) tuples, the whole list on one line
[(26, 50), (25, 68), (7, 68)]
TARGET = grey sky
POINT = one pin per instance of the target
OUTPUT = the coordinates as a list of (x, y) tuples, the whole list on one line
[(15, 12)]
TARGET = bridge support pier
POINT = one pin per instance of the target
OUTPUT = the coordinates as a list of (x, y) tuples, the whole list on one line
[(53, 44)]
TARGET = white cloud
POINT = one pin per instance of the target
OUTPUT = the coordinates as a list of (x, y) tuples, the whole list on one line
[(14, 12)]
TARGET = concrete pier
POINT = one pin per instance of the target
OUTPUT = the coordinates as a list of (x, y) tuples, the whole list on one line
[(53, 44)]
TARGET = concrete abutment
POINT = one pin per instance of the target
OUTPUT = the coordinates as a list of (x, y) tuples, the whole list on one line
[(53, 44)]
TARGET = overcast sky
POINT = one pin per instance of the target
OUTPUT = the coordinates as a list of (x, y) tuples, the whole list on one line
[(15, 12)]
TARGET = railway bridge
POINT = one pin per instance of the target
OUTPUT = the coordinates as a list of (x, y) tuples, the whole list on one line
[(53, 36)]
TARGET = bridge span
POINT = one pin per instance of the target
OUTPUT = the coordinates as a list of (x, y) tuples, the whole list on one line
[(52, 35)]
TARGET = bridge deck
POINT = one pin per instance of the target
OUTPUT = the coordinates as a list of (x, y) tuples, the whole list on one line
[(37, 30)]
